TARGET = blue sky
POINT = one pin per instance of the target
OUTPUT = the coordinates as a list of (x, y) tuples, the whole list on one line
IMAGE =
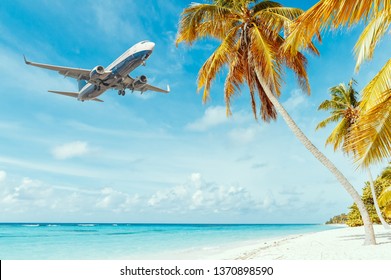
[(155, 157)]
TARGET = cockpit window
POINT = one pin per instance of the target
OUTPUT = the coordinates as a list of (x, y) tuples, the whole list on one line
[(143, 42)]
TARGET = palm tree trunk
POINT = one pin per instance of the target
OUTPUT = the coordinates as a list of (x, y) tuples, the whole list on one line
[(378, 212), (369, 232)]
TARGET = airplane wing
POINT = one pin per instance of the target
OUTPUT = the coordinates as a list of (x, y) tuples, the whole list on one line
[(77, 73), (150, 87), (72, 94), (128, 82)]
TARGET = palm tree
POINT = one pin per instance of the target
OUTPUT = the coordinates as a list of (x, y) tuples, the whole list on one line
[(344, 109), (251, 35), (373, 142)]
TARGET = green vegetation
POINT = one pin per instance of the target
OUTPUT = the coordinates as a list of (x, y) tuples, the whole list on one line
[(385, 196), (354, 218), (382, 184), (339, 219)]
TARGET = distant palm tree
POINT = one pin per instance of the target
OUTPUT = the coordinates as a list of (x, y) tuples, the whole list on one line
[(251, 35), (373, 142), (344, 109)]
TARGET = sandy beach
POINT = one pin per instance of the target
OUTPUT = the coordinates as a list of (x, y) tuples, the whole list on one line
[(337, 244)]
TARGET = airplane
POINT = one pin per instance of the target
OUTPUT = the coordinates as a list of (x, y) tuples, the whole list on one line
[(93, 83)]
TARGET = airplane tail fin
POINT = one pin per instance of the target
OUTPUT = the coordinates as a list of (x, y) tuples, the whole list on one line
[(81, 84), (72, 94)]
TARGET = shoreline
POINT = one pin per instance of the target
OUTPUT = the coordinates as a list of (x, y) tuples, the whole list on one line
[(341, 243)]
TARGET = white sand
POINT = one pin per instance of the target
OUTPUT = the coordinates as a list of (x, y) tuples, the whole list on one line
[(336, 244)]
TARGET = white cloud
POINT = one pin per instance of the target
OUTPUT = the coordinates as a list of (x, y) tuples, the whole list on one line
[(116, 201), (213, 116), (168, 196), (26, 196), (197, 199), (197, 195), (33, 196), (3, 175), (70, 150)]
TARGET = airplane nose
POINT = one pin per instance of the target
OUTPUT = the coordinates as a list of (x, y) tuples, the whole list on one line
[(152, 45)]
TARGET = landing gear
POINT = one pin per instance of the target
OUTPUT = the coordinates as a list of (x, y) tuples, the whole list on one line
[(121, 92)]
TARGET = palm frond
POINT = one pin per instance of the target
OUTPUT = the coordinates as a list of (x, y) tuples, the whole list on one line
[(339, 135), (371, 36), (268, 111), (332, 118), (214, 63), (371, 136), (235, 78), (374, 91), (286, 14), (249, 76), (279, 19), (262, 55), (205, 20), (327, 105), (265, 5), (297, 63), (331, 14), (342, 98), (338, 90), (228, 3)]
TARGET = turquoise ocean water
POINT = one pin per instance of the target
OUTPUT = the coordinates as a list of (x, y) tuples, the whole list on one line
[(129, 241)]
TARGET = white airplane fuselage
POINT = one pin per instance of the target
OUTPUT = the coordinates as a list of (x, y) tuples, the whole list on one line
[(118, 70), (93, 83)]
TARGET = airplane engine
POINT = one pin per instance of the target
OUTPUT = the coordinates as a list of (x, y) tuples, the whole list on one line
[(98, 73), (139, 82)]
